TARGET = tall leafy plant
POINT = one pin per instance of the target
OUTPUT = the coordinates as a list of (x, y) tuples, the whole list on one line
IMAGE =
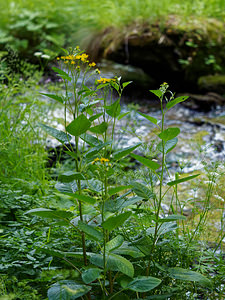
[(108, 256)]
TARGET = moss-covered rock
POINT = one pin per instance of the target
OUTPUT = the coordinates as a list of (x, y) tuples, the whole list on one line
[(213, 83), (175, 51)]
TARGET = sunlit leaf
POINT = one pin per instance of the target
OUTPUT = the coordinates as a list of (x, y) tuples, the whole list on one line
[(115, 243), (67, 289), (185, 274), (143, 284), (146, 162), (175, 101), (55, 97), (99, 129), (171, 183), (114, 262), (169, 133), (116, 221), (124, 152)]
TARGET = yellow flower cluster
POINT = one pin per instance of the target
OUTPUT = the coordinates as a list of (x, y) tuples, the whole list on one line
[(102, 160), (105, 80), (72, 59)]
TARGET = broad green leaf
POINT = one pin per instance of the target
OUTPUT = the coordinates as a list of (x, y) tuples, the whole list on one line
[(124, 152), (158, 93), (185, 274), (90, 140), (164, 228), (146, 162), (175, 101), (117, 189), (85, 199), (142, 191), (143, 284), (95, 150), (121, 202), (132, 251), (90, 231), (114, 222), (72, 154), (67, 290), (172, 218), (99, 129), (68, 188), (169, 134), (115, 243), (115, 85), (114, 109), (151, 119), (61, 136), (124, 84), (90, 275), (55, 97), (92, 118), (171, 183), (114, 262), (95, 185), (78, 126), (70, 176), (62, 74), (168, 146), (49, 213)]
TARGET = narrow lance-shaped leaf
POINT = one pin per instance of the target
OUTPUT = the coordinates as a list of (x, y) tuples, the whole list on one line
[(55, 97), (49, 213), (175, 101), (171, 183), (185, 274), (124, 152), (124, 84), (149, 118), (61, 136), (78, 126), (145, 161), (158, 93), (62, 74), (114, 222)]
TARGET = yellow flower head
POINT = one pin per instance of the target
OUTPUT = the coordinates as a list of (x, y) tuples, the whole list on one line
[(93, 64), (58, 58), (105, 80), (102, 160), (97, 71)]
